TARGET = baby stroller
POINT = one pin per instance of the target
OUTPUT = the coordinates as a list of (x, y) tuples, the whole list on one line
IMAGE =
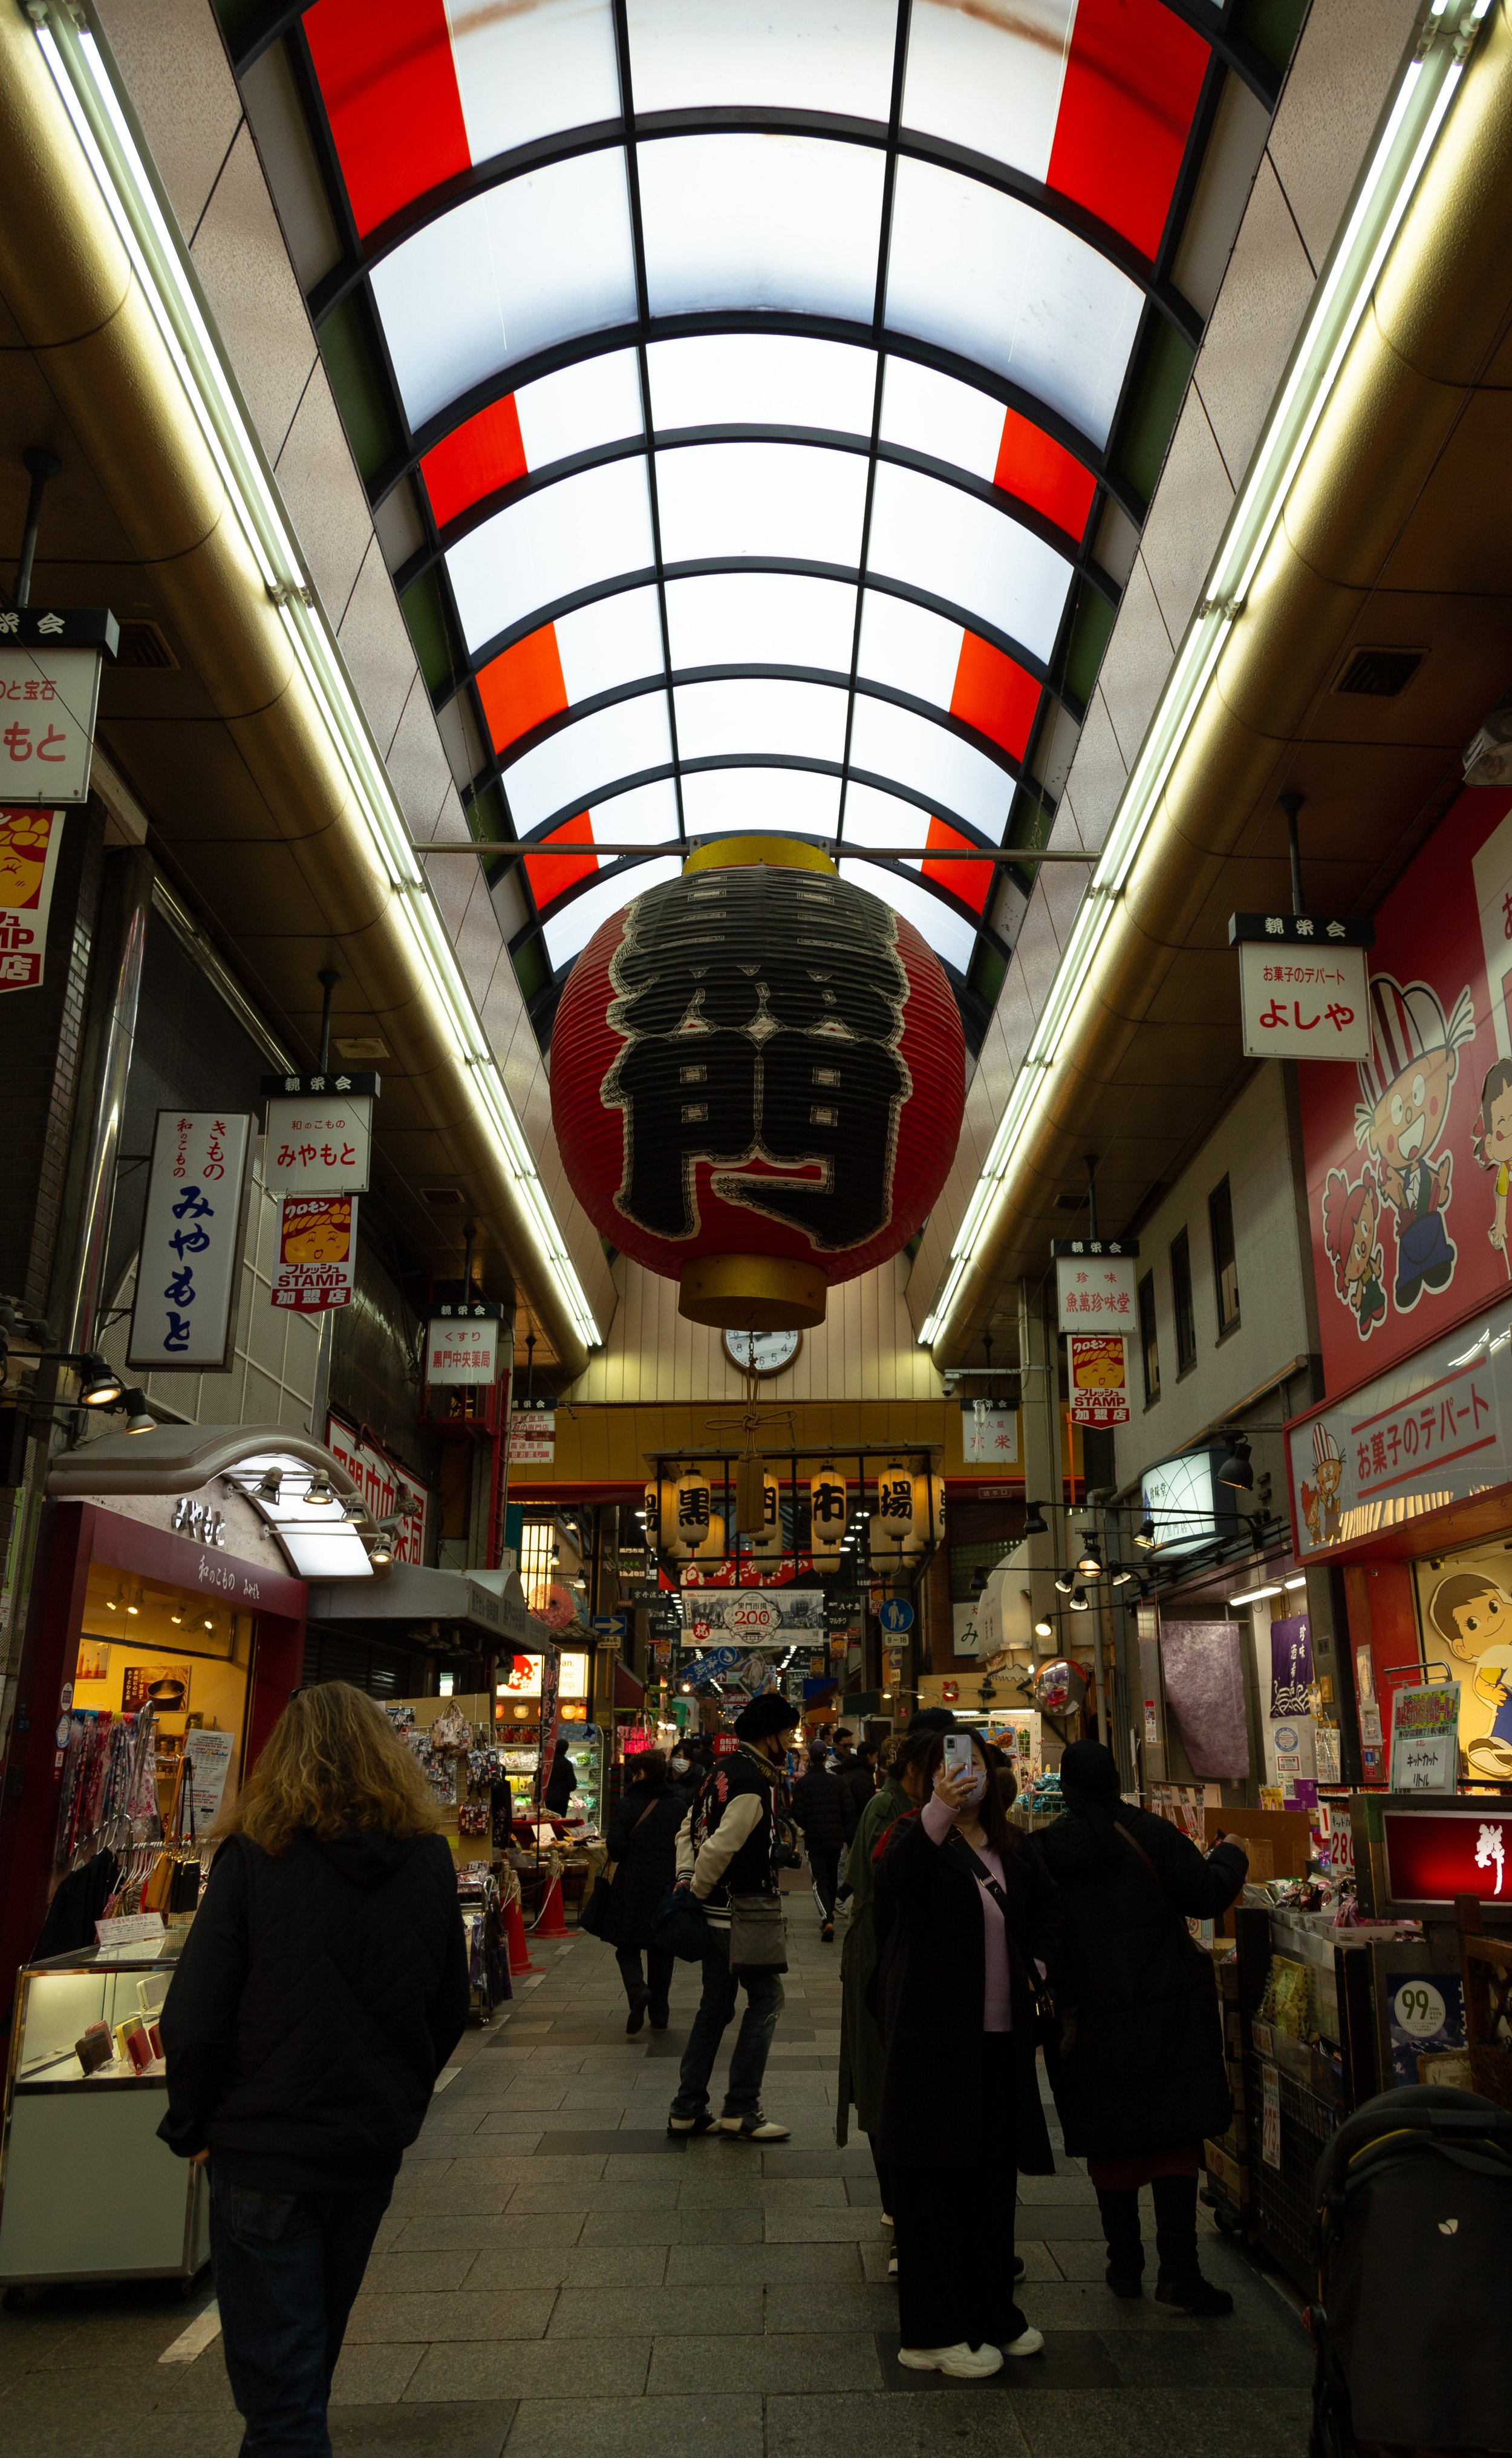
[(1413, 2233)]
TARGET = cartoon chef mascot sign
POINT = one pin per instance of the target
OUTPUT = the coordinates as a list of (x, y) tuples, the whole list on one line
[(1406, 1084)]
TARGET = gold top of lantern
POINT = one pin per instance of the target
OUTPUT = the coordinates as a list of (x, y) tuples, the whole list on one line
[(781, 853)]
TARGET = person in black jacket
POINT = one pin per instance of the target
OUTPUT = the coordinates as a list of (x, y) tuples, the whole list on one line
[(1139, 2076), (321, 1990), (643, 1852), (725, 1850), (824, 1807), (857, 1773), (561, 1783), (965, 1912)]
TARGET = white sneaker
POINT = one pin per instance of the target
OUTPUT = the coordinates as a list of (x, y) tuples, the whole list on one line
[(886, 2221), (754, 2129), (961, 2363), (1029, 2344)]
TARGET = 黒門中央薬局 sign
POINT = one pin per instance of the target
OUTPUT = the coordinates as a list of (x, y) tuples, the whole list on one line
[(183, 1310)]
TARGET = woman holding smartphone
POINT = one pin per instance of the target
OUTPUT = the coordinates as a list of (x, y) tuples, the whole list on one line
[(965, 1911)]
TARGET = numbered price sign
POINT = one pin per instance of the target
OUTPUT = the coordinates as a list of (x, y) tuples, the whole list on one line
[(1426, 2017)]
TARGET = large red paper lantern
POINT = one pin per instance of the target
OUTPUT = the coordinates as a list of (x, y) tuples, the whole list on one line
[(757, 1075)]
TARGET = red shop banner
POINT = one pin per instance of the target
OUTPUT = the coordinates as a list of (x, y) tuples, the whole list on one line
[(1409, 1152), (1432, 1856)]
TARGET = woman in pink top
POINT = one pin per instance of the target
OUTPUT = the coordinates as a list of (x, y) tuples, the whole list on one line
[(964, 1909)]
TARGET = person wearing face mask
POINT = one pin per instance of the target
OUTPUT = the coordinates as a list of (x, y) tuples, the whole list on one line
[(724, 1852), (967, 1913)]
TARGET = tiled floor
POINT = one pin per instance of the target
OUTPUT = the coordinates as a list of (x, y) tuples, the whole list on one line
[(555, 2278)]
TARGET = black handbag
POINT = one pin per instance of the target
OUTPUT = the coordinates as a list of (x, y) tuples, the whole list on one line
[(681, 1925), (595, 1914)]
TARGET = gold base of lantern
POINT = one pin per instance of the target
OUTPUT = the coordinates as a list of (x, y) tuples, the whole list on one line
[(752, 1293)]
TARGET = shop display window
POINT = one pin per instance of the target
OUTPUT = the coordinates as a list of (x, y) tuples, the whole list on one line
[(185, 1656)]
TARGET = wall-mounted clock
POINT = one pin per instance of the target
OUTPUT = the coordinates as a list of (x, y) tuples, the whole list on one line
[(763, 1353)]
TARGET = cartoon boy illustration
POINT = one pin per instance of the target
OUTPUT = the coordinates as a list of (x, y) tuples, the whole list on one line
[(1406, 1082), (1351, 1220), (1473, 1615), (324, 1239), (1493, 1143), (1321, 1501)]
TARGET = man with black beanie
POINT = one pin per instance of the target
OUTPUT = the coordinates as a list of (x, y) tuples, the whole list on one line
[(725, 1850)]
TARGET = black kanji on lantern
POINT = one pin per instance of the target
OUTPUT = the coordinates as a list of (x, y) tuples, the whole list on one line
[(763, 1010)]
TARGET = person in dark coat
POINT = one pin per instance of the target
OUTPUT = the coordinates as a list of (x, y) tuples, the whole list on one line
[(823, 1808), (321, 1990), (643, 1854), (965, 1913), (562, 1782), (1139, 2076)]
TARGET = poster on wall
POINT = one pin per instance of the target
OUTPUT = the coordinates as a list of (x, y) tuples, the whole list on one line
[(1290, 1666), (1409, 1151), (1465, 1608), (183, 1311), (317, 1262), (209, 1756), (1424, 1738), (29, 861), (377, 1479)]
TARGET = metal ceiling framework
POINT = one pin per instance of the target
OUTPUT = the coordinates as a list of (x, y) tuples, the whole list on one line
[(906, 531)]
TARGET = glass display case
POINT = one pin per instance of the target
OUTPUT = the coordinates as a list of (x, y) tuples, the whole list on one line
[(86, 2191), (585, 1747)]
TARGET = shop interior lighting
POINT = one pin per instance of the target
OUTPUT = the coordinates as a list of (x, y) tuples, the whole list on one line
[(1066, 1581), (210, 1621), (98, 1387), (178, 1617), (1299, 1581), (1422, 97), (134, 1603), (1253, 1595), (1121, 1577), (149, 233), (1043, 1629), (1089, 1560), (1079, 1603)]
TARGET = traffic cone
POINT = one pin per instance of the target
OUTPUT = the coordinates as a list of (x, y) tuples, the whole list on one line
[(551, 1924), (519, 1945)]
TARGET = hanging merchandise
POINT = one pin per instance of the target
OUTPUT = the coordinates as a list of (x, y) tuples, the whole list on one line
[(757, 1017), (828, 1514)]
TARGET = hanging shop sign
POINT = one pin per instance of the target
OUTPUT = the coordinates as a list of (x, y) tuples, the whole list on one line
[(755, 1617), (50, 688), (1097, 1363), (1433, 1855), (532, 1437), (1303, 991), (757, 1069), (29, 841), (1290, 1667), (462, 1344), (1426, 1435), (989, 1431), (319, 1133), (381, 1482), (1425, 1738), (183, 1312), (1094, 1283), (317, 1266), (1188, 1507)]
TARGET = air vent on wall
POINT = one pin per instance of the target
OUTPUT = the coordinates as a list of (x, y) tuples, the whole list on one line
[(143, 646), (1379, 674), (365, 1046), (443, 1199)]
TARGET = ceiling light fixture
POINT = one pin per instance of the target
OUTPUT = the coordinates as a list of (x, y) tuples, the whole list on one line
[(1079, 1603), (382, 1553), (1339, 301), (319, 1493), (163, 268), (1299, 1581), (1146, 1534), (1089, 1560), (98, 1387), (1043, 1629), (140, 1418), (1066, 1581), (1253, 1595), (269, 1484)]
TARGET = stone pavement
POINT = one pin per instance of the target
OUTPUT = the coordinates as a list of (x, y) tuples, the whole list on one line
[(557, 2280)]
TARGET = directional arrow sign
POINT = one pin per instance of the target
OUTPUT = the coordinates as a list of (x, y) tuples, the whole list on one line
[(608, 1625)]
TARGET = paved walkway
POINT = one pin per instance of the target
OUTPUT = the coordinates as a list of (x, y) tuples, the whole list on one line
[(555, 2278)]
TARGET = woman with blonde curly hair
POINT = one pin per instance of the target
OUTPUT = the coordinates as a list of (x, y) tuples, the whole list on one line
[(321, 1990)]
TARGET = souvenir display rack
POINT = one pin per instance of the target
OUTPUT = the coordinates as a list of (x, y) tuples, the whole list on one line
[(478, 1891)]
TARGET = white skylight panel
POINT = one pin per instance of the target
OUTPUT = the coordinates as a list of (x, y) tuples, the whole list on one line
[(893, 742), (647, 815), (907, 646), (542, 259), (872, 818), (806, 720), (989, 78), (551, 545), (526, 73), (564, 773), (567, 932), (596, 402), (761, 221), (761, 618), (939, 539), (929, 412), (762, 379), (615, 640), (983, 274), (789, 53), (944, 928), (760, 801), (770, 499)]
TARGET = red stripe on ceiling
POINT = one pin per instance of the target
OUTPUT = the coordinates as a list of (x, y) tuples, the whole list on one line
[(551, 879), (523, 687), (1131, 85), (1041, 472), (390, 93), (484, 453), (994, 694), (970, 880)]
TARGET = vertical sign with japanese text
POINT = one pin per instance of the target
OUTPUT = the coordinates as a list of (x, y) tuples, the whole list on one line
[(462, 1351), (29, 859), (184, 1309), (380, 1482), (319, 1143), (1095, 1292), (1301, 1002), (49, 682)]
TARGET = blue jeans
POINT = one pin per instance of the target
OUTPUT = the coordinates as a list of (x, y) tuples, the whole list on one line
[(287, 2268), (748, 2062)]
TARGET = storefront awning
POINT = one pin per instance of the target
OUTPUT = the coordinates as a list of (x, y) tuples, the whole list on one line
[(487, 1614), (272, 1467)]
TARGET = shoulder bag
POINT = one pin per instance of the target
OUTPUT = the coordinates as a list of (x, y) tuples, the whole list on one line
[(1046, 2022), (758, 1935), (595, 1911)]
